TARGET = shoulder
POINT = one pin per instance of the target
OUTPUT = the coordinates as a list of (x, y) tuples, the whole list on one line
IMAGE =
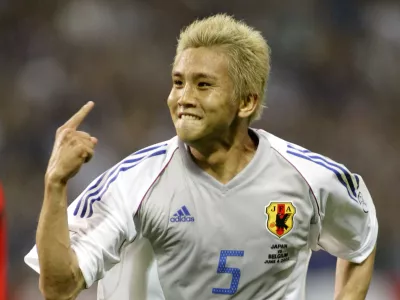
[(129, 179), (147, 161), (320, 172)]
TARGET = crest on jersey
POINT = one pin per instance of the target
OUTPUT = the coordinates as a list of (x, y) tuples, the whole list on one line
[(280, 219)]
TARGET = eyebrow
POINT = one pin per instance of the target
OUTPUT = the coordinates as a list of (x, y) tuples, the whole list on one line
[(196, 76)]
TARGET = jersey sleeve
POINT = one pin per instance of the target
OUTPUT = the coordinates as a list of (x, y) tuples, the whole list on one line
[(134, 277), (101, 219), (96, 235), (349, 227), (346, 225)]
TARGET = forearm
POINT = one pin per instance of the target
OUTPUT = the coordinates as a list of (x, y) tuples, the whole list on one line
[(60, 275), (352, 280)]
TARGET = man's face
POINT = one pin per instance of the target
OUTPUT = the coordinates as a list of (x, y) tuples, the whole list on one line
[(201, 101)]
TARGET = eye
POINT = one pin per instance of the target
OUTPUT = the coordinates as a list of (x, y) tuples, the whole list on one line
[(178, 83), (204, 84)]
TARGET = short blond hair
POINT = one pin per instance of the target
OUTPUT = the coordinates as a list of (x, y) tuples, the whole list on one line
[(248, 52)]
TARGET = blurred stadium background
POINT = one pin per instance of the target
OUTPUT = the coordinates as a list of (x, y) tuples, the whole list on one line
[(334, 88)]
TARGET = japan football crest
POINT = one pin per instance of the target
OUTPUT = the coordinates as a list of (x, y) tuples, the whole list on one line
[(280, 218)]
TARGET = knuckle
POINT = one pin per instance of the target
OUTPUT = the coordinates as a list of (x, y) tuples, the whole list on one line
[(68, 131), (86, 136), (64, 132), (60, 131), (82, 134), (73, 141), (83, 152)]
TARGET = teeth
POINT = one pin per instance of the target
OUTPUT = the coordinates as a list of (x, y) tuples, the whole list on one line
[(189, 117)]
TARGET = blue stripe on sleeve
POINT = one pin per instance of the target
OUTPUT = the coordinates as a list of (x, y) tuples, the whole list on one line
[(123, 169), (338, 175), (97, 190), (346, 172), (93, 188), (149, 149), (358, 180)]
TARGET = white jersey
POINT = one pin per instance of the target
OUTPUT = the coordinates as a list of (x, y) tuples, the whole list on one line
[(248, 239), (135, 277)]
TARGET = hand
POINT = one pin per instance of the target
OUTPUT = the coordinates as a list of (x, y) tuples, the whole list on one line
[(71, 149)]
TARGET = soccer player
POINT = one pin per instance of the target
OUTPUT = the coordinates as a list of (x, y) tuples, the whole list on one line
[(230, 212)]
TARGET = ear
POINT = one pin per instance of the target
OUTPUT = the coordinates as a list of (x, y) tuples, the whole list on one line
[(248, 105)]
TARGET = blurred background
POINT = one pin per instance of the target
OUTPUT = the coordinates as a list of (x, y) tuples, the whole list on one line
[(334, 88)]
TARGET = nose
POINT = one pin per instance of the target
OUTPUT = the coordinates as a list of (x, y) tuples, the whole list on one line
[(187, 97)]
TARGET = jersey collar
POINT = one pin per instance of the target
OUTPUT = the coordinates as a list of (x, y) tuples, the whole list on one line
[(244, 177)]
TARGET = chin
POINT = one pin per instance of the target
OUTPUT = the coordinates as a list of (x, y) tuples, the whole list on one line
[(187, 138), (188, 135)]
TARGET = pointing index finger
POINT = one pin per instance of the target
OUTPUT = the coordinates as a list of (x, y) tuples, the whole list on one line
[(78, 118)]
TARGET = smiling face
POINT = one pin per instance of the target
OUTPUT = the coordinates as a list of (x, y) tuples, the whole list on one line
[(201, 101)]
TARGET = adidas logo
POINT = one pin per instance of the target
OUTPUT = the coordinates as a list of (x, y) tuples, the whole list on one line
[(182, 215)]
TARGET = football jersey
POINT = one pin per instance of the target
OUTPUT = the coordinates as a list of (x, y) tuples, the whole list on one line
[(248, 239), (134, 278)]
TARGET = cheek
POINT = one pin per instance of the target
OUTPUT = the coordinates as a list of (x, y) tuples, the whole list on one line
[(172, 103), (172, 100), (221, 103)]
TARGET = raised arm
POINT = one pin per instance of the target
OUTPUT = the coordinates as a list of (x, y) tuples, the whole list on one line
[(60, 276)]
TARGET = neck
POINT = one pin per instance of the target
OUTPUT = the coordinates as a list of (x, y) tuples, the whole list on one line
[(225, 158)]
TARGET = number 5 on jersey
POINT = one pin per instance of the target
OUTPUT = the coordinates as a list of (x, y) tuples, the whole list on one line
[(222, 268)]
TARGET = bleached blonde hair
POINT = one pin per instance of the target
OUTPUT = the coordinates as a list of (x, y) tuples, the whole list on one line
[(247, 50)]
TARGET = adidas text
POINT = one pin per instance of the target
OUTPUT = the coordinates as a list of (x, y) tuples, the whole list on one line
[(181, 219)]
